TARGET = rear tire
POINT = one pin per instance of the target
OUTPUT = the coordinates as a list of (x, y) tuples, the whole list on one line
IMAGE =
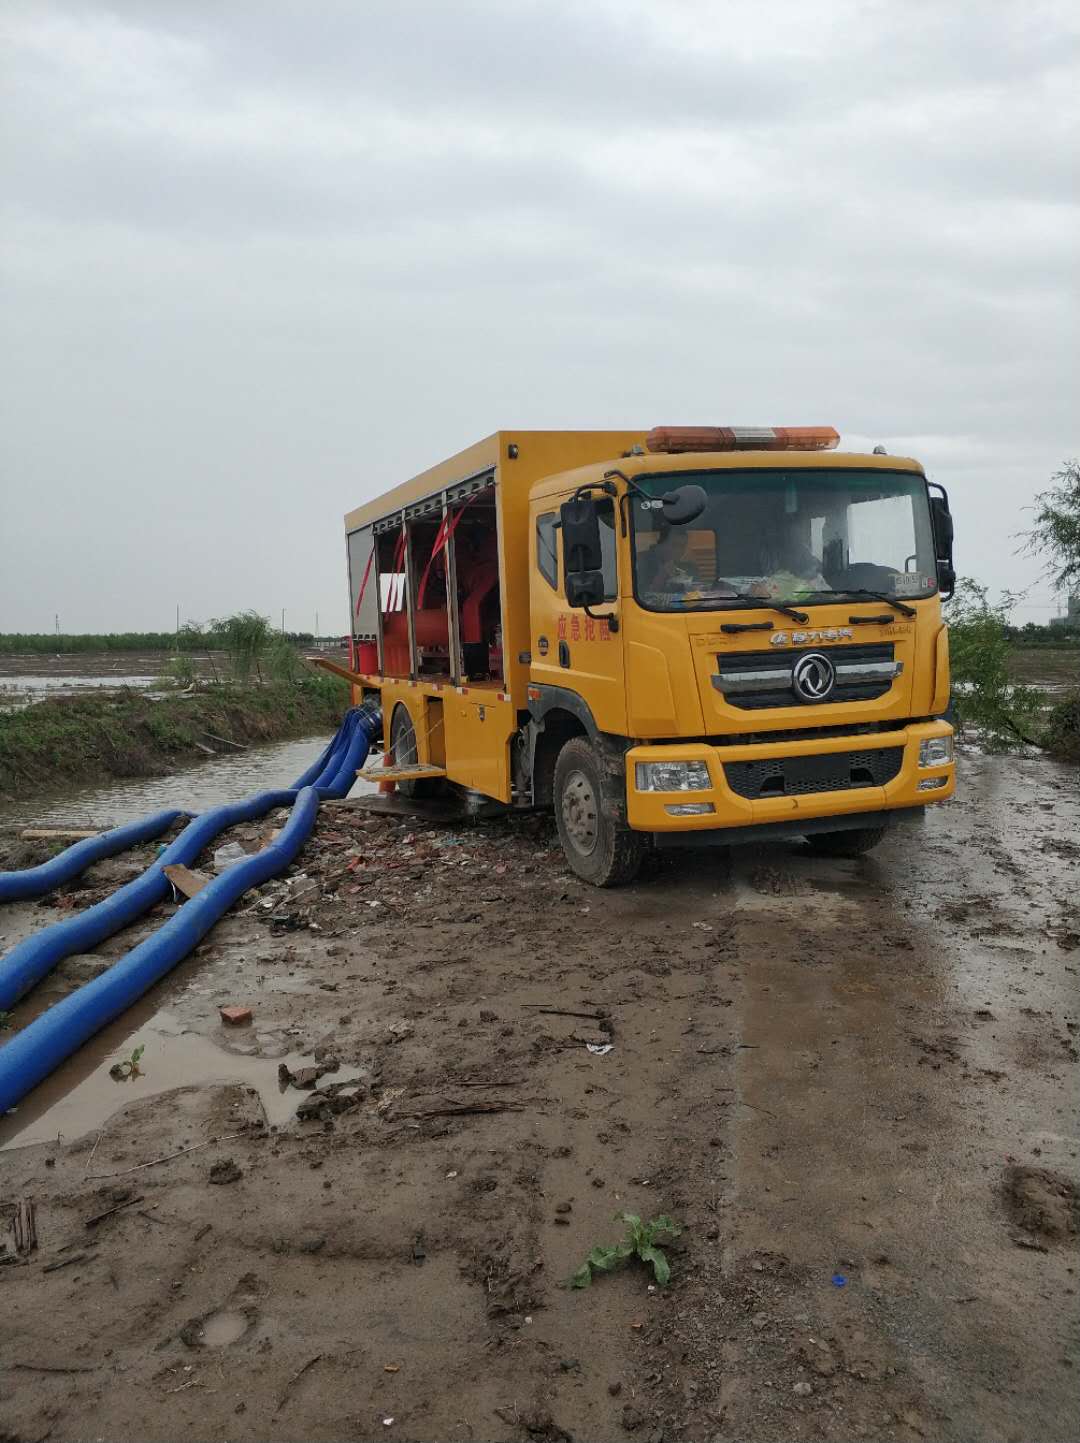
[(404, 751), (851, 843), (599, 846)]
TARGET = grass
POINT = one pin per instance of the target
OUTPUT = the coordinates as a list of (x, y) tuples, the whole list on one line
[(192, 637), (124, 734)]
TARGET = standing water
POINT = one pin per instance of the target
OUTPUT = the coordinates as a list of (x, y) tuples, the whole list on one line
[(205, 784)]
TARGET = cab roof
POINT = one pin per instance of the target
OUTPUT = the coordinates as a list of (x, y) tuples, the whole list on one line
[(667, 464), (549, 463)]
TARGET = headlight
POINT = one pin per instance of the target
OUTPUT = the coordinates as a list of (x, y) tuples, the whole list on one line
[(935, 751), (672, 777)]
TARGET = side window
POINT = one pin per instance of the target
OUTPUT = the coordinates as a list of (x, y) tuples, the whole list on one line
[(547, 548), (608, 549)]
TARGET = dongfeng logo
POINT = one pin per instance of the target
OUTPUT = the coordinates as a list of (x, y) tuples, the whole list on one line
[(813, 677)]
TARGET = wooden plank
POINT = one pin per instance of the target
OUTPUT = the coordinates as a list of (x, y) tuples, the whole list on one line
[(59, 834), (402, 773), (185, 880), (24, 1227)]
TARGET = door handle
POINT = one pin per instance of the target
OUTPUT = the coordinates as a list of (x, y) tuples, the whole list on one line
[(564, 653)]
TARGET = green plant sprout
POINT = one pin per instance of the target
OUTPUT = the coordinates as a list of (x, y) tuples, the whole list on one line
[(121, 1071), (640, 1242)]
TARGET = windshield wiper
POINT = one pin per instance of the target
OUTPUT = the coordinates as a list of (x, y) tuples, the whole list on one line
[(884, 596), (760, 602)]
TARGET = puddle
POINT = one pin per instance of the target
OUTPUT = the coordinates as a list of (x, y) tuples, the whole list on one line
[(221, 1329), (80, 1096)]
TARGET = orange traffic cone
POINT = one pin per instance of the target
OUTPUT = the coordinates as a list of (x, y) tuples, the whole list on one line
[(388, 761)]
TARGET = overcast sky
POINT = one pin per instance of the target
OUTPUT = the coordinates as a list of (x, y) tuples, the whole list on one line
[(263, 260)]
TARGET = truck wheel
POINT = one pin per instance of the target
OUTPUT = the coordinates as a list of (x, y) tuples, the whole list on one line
[(600, 848), (852, 843), (403, 747)]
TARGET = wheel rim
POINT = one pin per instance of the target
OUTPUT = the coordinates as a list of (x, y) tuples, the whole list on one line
[(579, 813)]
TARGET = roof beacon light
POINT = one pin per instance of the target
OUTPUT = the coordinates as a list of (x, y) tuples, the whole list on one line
[(742, 438)]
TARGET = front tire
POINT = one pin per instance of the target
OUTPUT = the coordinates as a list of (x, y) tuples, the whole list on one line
[(851, 843), (599, 846)]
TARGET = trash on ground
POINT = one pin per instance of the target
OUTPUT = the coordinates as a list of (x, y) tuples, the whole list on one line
[(129, 1067), (228, 856), (234, 1016), (185, 880)]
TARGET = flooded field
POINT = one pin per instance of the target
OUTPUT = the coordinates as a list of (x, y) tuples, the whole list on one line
[(27, 678), (1051, 669)]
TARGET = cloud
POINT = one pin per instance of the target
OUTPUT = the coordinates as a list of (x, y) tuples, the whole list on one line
[(263, 260)]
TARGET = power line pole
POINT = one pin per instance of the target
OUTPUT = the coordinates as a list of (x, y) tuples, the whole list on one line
[(283, 621)]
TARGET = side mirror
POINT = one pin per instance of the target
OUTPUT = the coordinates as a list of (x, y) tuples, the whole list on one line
[(581, 538), (943, 545), (584, 588), (683, 505)]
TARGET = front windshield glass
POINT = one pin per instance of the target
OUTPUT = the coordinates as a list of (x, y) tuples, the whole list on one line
[(786, 536)]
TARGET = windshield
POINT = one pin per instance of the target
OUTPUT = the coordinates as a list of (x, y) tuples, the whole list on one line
[(784, 536)]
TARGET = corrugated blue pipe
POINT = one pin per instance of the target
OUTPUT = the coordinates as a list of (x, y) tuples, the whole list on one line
[(40, 1047), (35, 1051), (32, 959), (36, 881)]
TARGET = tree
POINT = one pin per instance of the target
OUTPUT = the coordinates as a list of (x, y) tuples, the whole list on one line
[(1055, 536), (1004, 712)]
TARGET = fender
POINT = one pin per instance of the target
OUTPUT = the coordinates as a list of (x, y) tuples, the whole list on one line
[(610, 748), (561, 698)]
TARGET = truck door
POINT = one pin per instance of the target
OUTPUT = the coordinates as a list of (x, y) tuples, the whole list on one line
[(571, 650)]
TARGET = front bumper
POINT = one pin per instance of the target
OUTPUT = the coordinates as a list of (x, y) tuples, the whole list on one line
[(731, 807)]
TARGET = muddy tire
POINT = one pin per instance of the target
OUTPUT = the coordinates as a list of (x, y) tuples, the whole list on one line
[(404, 752), (600, 847), (852, 843)]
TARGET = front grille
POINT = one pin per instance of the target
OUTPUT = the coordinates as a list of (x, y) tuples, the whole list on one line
[(754, 680), (829, 772)]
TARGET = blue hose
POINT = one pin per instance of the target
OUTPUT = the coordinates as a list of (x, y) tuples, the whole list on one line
[(41, 1046), (32, 959), (36, 881)]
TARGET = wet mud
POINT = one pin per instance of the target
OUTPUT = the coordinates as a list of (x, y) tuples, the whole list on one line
[(853, 1082)]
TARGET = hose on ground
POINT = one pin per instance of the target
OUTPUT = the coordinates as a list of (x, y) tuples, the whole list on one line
[(41, 1046), (33, 958), (36, 881)]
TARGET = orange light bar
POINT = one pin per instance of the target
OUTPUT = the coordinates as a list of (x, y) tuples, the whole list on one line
[(742, 438)]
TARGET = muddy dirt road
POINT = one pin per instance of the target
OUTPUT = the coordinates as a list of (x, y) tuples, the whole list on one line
[(852, 1082)]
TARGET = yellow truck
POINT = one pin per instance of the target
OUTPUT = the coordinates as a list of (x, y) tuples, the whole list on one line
[(674, 637)]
